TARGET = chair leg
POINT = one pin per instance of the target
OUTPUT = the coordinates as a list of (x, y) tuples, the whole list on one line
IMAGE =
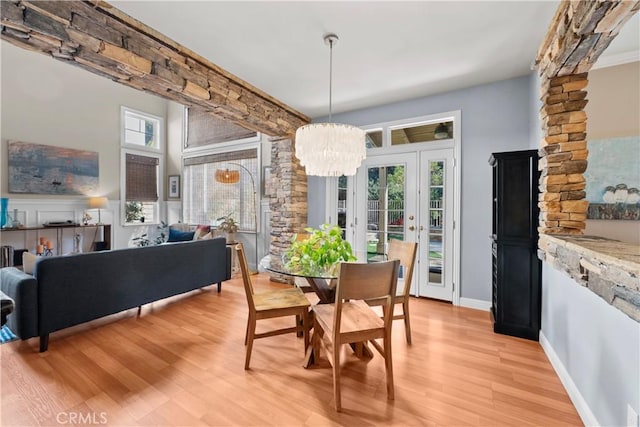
[(305, 328), (318, 333), (336, 376), (388, 366), (407, 323), (298, 325), (250, 334), (246, 331)]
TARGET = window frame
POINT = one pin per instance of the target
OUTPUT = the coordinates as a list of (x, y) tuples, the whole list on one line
[(141, 150), (213, 148), (123, 142), (230, 147)]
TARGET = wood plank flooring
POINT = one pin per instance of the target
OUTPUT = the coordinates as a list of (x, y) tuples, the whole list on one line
[(181, 363)]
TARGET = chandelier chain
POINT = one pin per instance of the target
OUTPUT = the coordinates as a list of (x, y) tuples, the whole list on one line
[(330, 76)]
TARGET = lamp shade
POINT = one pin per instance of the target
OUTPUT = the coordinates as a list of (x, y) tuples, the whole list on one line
[(227, 176), (98, 203), (330, 149)]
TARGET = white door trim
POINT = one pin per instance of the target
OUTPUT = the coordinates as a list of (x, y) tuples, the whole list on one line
[(386, 149)]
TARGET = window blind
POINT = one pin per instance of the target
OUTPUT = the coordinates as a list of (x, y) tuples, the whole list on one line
[(203, 128), (142, 178), (205, 200)]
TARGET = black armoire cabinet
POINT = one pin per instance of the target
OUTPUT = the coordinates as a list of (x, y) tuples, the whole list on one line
[(516, 295)]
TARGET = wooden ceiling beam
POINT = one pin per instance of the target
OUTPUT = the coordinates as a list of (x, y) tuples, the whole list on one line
[(579, 32), (100, 38)]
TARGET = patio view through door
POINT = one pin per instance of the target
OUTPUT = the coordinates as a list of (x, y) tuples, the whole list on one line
[(409, 197)]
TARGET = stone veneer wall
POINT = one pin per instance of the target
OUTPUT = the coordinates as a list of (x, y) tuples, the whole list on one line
[(563, 156), (609, 268), (289, 203)]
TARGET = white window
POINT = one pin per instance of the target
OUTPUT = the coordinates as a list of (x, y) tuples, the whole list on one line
[(141, 162), (221, 184), (141, 130)]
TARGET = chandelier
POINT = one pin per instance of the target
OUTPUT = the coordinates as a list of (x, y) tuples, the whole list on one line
[(330, 149)]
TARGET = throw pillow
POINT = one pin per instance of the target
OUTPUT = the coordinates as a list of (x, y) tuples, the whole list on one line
[(180, 226), (179, 236), (29, 262), (207, 236), (201, 231)]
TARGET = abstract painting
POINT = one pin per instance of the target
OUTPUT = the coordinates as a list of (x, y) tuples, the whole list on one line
[(45, 169), (613, 178)]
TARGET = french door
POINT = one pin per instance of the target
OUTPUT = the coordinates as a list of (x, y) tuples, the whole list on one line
[(386, 204), (435, 278), (408, 196)]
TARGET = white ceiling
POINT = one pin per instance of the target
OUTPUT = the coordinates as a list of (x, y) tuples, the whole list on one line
[(388, 50)]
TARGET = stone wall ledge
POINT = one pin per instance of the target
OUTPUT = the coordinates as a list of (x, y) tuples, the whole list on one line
[(607, 267)]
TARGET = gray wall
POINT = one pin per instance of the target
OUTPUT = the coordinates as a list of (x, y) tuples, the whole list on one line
[(596, 345), (495, 118), (535, 127)]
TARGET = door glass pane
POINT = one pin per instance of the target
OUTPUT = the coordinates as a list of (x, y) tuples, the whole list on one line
[(342, 205), (436, 220), (411, 134), (385, 208)]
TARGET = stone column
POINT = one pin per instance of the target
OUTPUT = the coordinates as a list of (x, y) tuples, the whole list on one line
[(288, 203), (563, 156)]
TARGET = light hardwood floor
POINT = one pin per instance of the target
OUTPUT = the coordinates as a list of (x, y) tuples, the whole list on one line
[(181, 363)]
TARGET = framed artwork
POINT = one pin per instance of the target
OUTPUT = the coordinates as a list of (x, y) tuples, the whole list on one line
[(174, 186), (267, 184), (613, 179), (45, 169)]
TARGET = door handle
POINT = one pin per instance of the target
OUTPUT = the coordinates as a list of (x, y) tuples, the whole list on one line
[(411, 228), (421, 228), (411, 217)]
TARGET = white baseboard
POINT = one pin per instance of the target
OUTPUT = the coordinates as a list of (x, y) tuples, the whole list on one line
[(478, 304), (585, 413)]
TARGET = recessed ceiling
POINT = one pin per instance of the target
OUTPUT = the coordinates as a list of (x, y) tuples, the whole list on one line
[(388, 51)]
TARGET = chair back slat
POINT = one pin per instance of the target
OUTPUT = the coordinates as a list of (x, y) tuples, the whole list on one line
[(367, 281), (246, 276), (406, 253)]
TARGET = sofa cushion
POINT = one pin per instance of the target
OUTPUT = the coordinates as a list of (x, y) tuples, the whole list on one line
[(23, 289), (179, 236)]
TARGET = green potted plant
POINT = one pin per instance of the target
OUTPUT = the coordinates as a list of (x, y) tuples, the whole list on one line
[(321, 252), (133, 211), (143, 238), (228, 225)]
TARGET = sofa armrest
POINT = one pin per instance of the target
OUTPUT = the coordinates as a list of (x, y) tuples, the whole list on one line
[(23, 289)]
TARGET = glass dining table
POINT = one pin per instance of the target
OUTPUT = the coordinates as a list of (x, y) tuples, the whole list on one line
[(323, 283)]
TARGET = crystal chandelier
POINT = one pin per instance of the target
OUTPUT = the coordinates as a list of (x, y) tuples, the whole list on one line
[(330, 149)]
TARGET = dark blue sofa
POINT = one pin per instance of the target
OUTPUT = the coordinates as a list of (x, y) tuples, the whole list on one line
[(69, 290)]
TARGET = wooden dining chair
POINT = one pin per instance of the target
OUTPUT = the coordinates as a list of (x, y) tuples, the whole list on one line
[(406, 253), (270, 304), (351, 320)]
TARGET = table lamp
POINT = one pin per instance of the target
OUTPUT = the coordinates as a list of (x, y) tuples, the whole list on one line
[(98, 203)]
